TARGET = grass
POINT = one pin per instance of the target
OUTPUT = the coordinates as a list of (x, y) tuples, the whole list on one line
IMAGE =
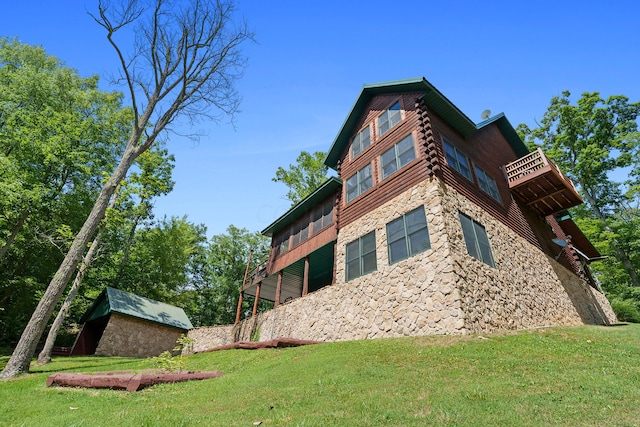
[(582, 376)]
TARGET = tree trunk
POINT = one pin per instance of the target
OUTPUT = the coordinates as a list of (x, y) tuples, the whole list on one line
[(14, 233), (45, 355), (22, 354), (620, 253)]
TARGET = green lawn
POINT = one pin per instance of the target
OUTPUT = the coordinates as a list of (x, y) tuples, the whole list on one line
[(587, 376)]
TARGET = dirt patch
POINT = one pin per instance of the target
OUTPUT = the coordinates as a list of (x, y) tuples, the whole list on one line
[(126, 380)]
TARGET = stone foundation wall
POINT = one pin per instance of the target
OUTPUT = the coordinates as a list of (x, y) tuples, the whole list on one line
[(129, 337), (440, 291)]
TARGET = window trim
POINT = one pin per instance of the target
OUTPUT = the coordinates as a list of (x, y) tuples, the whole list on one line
[(396, 156), (359, 241), (386, 112), (477, 243), (358, 183), (407, 237), (358, 136), (456, 167), (484, 179)]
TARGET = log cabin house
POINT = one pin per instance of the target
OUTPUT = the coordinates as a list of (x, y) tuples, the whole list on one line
[(433, 225)]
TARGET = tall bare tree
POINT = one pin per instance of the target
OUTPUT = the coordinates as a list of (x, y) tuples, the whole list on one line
[(184, 64)]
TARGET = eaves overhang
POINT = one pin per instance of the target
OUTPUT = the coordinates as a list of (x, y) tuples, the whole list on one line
[(431, 96), (305, 205)]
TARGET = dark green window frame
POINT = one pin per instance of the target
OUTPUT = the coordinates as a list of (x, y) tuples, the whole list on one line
[(360, 182), (361, 141), (456, 159), (398, 156), (487, 184), (476, 240), (408, 235), (391, 117), (361, 256)]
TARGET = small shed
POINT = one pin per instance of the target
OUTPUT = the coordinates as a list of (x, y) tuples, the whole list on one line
[(123, 324)]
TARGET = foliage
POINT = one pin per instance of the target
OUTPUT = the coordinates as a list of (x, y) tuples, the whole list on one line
[(304, 177), (626, 309), (593, 141), (169, 362), (580, 376)]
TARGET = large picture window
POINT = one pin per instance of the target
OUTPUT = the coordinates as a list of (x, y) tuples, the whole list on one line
[(407, 235), (389, 118), (476, 239), (398, 156), (457, 160), (361, 256), (359, 183), (487, 184), (361, 141)]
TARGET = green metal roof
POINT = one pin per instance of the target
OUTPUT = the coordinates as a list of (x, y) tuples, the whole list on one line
[(304, 206), (116, 301), (434, 99), (432, 96)]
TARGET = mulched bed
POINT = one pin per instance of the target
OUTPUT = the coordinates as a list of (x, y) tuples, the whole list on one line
[(126, 380)]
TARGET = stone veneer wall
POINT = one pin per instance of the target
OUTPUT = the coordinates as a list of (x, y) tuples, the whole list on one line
[(440, 291), (130, 337)]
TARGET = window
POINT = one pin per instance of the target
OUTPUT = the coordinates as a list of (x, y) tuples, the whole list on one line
[(457, 160), (361, 256), (475, 237), (360, 141), (301, 231), (487, 184), (398, 156), (407, 235), (389, 118), (322, 216), (359, 183), (282, 243)]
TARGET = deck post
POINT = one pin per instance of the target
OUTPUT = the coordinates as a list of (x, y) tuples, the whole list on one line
[(255, 303), (239, 307), (305, 279), (278, 290)]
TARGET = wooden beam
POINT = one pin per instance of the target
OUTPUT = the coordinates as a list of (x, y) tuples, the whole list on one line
[(278, 290), (238, 311), (305, 278), (255, 303)]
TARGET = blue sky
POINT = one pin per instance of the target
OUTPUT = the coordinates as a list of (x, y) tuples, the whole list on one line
[(312, 58)]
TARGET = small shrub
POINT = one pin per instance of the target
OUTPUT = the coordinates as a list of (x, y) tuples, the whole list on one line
[(626, 310), (166, 361)]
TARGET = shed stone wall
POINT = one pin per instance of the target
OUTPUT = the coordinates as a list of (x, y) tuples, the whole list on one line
[(129, 337), (440, 291)]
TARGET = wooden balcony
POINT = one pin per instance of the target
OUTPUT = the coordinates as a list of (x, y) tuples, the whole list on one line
[(537, 181)]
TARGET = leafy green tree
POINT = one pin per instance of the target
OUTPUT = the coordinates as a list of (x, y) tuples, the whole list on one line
[(590, 141), (184, 64), (304, 177)]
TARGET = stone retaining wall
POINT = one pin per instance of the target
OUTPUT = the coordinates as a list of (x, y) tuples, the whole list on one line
[(440, 291), (130, 337)]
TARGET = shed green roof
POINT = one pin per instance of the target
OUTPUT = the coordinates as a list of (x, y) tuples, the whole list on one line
[(113, 300), (434, 99)]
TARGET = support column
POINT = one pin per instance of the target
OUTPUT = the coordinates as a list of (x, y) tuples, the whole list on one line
[(305, 278), (278, 290), (255, 303), (239, 306)]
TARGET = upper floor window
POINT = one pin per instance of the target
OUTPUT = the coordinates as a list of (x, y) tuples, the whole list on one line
[(487, 184), (397, 156), (322, 216), (407, 235), (300, 231), (389, 118), (457, 160), (361, 256), (282, 243), (476, 239), (359, 183), (360, 141)]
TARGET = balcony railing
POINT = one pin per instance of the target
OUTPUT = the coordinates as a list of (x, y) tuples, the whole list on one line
[(537, 181)]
